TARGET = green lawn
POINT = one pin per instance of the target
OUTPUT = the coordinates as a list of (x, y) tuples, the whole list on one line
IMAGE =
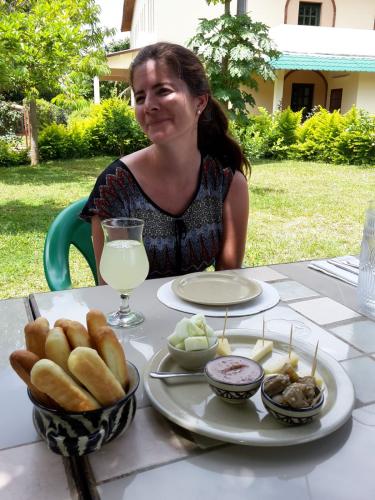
[(297, 211)]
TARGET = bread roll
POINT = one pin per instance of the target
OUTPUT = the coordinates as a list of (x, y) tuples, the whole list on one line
[(89, 368), (62, 323), (75, 332), (22, 362), (110, 349), (35, 336), (50, 378), (57, 347), (95, 319)]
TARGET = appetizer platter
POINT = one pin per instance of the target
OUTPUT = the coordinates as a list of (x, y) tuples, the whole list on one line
[(191, 403)]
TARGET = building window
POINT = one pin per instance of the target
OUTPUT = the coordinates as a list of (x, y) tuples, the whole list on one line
[(309, 13), (302, 97), (241, 7), (335, 99)]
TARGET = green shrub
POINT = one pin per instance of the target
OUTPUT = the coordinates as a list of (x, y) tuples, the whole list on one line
[(108, 128), (49, 113), (356, 143), (267, 135), (56, 142), (254, 136), (316, 137), (11, 154), (283, 132), (10, 118)]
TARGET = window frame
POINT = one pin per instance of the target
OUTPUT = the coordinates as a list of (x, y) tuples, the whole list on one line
[(303, 17)]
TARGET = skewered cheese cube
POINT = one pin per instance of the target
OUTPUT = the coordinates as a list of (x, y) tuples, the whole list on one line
[(260, 349), (223, 348), (277, 365)]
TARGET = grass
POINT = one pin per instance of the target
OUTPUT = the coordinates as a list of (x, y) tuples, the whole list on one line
[(297, 211), (306, 210)]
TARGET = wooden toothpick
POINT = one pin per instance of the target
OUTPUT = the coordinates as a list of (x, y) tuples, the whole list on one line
[(225, 323), (263, 328), (290, 340), (315, 360)]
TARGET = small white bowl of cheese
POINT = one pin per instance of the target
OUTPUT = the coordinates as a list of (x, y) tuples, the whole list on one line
[(193, 343)]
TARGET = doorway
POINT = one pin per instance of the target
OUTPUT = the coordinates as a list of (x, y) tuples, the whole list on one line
[(302, 97)]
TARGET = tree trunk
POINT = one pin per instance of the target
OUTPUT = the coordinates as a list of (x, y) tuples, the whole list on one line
[(34, 152), (227, 7)]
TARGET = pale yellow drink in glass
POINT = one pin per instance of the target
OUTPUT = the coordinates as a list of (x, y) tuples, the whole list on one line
[(124, 264)]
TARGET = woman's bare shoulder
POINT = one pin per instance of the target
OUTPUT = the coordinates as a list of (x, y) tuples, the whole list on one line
[(133, 159)]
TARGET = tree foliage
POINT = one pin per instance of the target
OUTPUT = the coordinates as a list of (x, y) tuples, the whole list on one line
[(235, 49), (44, 42)]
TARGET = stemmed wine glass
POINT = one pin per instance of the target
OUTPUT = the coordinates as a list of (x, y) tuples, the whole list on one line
[(123, 265)]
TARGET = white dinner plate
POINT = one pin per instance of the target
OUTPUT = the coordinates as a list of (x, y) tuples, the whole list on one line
[(216, 289), (194, 407)]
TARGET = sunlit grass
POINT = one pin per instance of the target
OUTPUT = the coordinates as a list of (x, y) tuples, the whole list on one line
[(306, 210), (297, 211)]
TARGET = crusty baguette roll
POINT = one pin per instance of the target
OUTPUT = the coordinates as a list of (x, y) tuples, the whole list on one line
[(22, 362), (62, 323), (35, 336), (75, 332), (57, 347), (50, 378), (110, 349), (89, 368), (95, 320)]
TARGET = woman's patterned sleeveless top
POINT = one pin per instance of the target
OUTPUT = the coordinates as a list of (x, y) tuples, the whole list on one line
[(175, 244)]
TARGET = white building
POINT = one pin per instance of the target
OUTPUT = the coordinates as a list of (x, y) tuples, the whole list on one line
[(328, 46)]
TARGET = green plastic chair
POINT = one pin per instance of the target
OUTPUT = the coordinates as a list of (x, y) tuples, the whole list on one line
[(66, 230)]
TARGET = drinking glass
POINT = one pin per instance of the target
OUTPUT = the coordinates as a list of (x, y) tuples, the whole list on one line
[(123, 265), (283, 327)]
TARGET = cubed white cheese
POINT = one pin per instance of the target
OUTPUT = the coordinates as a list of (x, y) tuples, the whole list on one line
[(223, 348), (196, 343), (260, 349)]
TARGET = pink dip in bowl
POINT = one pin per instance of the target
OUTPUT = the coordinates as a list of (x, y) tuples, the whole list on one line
[(234, 378), (235, 370)]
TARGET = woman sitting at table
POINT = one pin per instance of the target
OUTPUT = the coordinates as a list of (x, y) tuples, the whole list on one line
[(189, 185)]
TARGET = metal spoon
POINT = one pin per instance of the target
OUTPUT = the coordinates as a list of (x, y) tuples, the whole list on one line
[(182, 377)]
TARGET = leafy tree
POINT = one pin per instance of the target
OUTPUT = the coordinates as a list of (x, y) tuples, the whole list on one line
[(234, 49), (42, 42)]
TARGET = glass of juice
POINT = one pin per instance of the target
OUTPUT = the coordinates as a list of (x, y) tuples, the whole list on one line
[(124, 265)]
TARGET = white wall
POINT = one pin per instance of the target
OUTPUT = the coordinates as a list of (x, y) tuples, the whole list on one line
[(143, 25), (182, 20), (349, 86), (355, 14), (168, 20), (270, 12), (366, 92)]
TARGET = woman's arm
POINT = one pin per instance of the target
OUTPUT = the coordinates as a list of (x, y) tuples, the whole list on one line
[(235, 219), (98, 243)]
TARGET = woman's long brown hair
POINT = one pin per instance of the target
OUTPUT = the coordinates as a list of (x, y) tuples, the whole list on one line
[(213, 137)]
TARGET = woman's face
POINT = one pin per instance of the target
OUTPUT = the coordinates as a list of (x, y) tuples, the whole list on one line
[(164, 106)]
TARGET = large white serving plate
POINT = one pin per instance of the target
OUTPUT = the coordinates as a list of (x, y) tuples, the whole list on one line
[(194, 407), (216, 289)]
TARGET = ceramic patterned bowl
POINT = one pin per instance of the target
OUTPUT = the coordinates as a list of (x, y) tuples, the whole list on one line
[(234, 378), (292, 416), (79, 433), (192, 360)]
